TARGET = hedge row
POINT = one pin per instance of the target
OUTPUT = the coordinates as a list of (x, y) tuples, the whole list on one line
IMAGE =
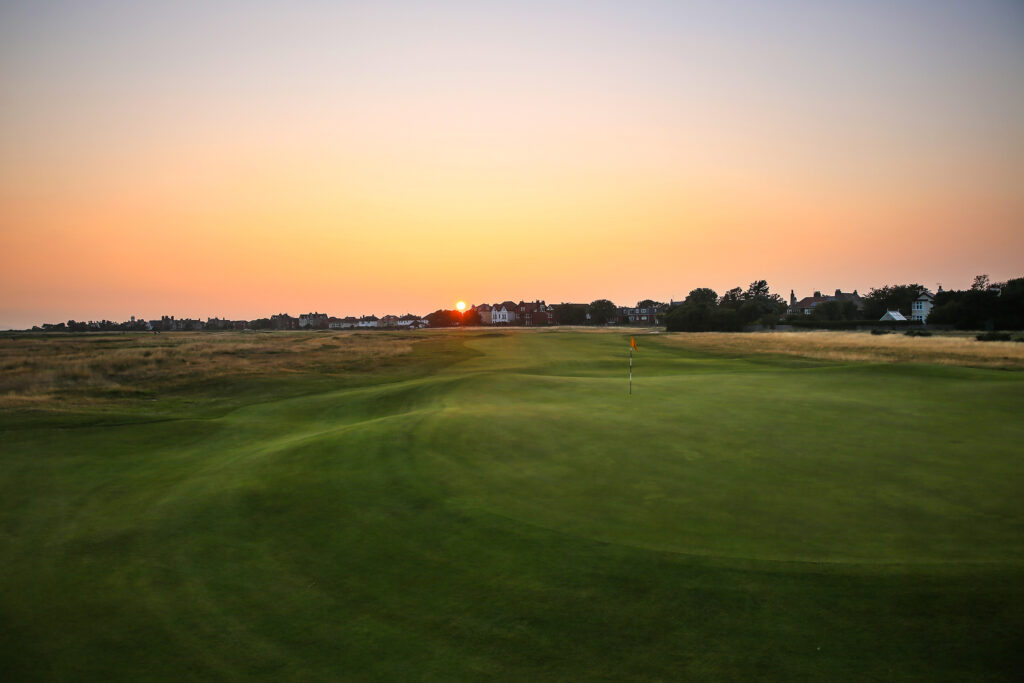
[(851, 324)]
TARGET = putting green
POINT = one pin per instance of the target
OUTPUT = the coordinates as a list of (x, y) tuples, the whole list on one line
[(501, 508)]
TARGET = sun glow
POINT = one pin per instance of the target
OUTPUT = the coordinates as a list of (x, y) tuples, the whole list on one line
[(461, 306)]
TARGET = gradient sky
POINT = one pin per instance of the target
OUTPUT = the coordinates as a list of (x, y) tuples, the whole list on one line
[(246, 158)]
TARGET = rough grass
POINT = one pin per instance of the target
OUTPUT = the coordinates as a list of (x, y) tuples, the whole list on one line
[(41, 370), (859, 347)]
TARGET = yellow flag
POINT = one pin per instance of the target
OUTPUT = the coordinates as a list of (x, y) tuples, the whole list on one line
[(632, 344)]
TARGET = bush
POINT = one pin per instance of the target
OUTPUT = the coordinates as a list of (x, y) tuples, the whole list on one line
[(993, 336), (880, 332), (918, 333)]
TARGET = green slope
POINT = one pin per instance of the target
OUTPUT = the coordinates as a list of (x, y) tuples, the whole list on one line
[(500, 508)]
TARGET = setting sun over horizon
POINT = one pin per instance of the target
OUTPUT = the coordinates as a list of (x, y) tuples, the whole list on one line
[(241, 160)]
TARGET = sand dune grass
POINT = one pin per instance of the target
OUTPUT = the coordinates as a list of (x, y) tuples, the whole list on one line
[(859, 346), (36, 370)]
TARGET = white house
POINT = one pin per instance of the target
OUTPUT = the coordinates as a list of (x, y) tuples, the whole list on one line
[(893, 315), (343, 323), (503, 313), (922, 306), (407, 320), (368, 321)]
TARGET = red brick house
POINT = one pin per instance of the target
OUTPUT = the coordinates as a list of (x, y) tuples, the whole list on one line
[(535, 313)]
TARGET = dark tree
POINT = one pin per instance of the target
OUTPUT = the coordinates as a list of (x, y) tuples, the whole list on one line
[(691, 317), (760, 305), (698, 313), (980, 283), (702, 295), (603, 312), (732, 299), (998, 308), (571, 314), (471, 318), (836, 310), (703, 311), (443, 318), (758, 289)]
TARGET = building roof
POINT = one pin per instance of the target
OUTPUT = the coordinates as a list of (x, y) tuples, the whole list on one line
[(818, 298), (809, 301), (892, 315)]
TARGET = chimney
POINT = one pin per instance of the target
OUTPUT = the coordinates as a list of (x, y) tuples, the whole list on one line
[(838, 292), (792, 298)]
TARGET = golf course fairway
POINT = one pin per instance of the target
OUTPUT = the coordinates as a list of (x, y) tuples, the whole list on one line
[(495, 506)]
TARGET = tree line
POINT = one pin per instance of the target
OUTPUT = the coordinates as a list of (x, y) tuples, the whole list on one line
[(704, 311), (985, 306)]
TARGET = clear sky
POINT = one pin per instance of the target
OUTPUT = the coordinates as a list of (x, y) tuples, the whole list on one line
[(247, 158)]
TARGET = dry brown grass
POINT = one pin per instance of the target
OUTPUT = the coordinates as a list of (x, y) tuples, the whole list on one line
[(35, 370), (859, 346)]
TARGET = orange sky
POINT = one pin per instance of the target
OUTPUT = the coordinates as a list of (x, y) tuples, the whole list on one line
[(261, 158)]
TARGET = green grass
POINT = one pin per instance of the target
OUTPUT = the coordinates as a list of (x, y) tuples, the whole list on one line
[(495, 506)]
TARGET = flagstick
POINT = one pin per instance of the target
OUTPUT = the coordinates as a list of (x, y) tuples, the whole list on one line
[(630, 370)]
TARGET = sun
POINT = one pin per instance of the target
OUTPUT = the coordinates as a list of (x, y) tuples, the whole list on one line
[(461, 305)]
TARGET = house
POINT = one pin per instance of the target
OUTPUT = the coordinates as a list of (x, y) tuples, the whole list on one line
[(639, 315), (504, 313), (172, 324), (484, 310), (283, 321), (368, 321), (346, 323), (534, 313), (922, 306), (313, 321), (806, 305), (217, 324), (409, 320), (893, 316)]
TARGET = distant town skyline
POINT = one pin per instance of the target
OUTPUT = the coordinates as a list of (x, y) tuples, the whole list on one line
[(233, 159), (297, 311)]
